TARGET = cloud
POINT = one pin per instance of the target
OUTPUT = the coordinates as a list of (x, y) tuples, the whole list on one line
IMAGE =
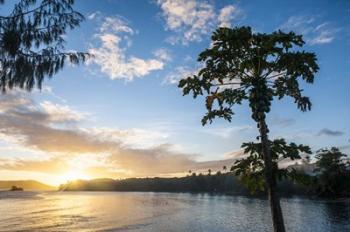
[(226, 15), (100, 152), (313, 32), (283, 122), (61, 113), (179, 73), (52, 165), (115, 25), (226, 132), (134, 137), (329, 132), (239, 154), (121, 153), (110, 53), (162, 54), (192, 19)]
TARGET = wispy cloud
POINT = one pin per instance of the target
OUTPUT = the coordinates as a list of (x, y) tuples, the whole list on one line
[(313, 31), (283, 122), (329, 132), (163, 54), (192, 19), (114, 37), (227, 132), (179, 73)]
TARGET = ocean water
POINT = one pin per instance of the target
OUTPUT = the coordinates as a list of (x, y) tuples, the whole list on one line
[(132, 211)]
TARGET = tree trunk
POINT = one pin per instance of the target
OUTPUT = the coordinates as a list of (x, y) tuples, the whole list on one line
[(270, 179)]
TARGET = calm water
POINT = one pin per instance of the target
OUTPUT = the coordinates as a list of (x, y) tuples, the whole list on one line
[(113, 211)]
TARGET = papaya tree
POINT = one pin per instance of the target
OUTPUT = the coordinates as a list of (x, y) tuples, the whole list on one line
[(244, 66), (32, 41)]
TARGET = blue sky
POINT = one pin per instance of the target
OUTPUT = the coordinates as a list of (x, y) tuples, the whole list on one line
[(126, 99)]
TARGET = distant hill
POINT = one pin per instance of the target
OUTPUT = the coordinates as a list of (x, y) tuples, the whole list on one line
[(25, 184)]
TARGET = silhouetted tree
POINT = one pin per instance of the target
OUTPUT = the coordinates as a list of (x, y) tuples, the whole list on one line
[(32, 42), (252, 169), (242, 65), (209, 172), (224, 168), (332, 173)]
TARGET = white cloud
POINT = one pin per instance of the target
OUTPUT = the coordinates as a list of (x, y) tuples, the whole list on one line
[(226, 15), (61, 113), (313, 32), (134, 137), (114, 37), (116, 25), (163, 54), (192, 19), (93, 15), (325, 34), (180, 72)]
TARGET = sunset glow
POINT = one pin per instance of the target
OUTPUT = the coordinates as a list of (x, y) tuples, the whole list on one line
[(174, 115), (122, 114), (73, 175)]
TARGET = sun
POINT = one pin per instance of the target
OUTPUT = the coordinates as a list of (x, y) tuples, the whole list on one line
[(74, 175)]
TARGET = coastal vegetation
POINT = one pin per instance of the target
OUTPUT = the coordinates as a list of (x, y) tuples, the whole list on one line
[(303, 183)]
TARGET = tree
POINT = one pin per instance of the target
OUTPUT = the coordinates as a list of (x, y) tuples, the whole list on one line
[(332, 173), (251, 169), (32, 42), (224, 168), (242, 65)]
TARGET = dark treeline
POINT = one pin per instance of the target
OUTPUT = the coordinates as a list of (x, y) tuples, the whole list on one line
[(193, 183), (328, 177), (225, 183)]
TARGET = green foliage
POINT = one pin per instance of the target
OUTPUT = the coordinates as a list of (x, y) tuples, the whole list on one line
[(32, 42), (251, 169), (242, 65), (333, 175)]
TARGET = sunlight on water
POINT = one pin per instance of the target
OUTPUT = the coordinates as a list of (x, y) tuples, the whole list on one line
[(113, 211)]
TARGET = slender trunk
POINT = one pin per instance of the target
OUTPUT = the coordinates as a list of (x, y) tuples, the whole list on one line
[(270, 179)]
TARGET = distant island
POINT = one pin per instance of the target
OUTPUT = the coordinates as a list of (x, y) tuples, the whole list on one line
[(15, 188), (31, 185)]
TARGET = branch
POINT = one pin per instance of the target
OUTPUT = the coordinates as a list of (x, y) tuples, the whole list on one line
[(32, 54), (24, 13)]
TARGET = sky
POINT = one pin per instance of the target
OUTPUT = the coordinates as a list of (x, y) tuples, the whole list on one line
[(122, 115)]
